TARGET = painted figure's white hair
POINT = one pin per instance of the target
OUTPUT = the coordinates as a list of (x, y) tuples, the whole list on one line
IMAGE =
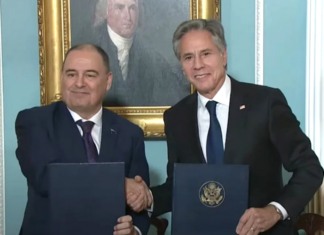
[(101, 12)]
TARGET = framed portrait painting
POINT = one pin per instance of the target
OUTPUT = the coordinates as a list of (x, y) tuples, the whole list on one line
[(137, 36)]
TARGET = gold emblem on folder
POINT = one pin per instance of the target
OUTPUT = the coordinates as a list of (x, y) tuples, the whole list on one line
[(211, 194)]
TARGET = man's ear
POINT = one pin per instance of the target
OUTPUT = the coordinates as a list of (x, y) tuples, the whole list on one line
[(109, 80), (224, 57)]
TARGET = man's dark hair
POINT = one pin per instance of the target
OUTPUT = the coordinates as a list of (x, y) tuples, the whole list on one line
[(80, 47)]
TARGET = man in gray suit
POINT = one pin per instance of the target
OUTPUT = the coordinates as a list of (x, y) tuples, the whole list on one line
[(142, 77)]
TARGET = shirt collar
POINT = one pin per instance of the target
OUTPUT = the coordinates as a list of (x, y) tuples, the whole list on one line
[(97, 118), (120, 42), (222, 96)]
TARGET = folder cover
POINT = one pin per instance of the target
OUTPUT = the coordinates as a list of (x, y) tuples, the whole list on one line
[(86, 198), (208, 199)]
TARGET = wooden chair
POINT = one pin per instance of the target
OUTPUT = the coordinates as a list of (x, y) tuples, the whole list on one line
[(310, 223), (160, 224)]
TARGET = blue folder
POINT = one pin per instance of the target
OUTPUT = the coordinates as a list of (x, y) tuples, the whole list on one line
[(208, 199), (86, 198)]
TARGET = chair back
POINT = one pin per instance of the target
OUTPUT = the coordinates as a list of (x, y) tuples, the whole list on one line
[(160, 224), (310, 223)]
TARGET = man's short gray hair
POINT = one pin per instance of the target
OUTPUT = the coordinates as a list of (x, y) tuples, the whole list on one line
[(101, 12), (212, 26)]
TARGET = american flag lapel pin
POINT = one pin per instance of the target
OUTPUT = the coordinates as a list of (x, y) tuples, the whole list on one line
[(242, 107)]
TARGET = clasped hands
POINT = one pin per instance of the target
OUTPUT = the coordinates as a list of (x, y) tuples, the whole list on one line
[(138, 195)]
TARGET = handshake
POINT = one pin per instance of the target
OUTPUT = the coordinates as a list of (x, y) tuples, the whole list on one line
[(138, 195)]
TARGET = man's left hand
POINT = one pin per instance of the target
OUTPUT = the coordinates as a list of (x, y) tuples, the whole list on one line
[(125, 226), (257, 220)]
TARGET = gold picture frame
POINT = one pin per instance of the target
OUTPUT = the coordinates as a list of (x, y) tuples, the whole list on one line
[(55, 40)]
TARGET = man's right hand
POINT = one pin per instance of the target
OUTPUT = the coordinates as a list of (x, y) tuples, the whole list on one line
[(138, 195)]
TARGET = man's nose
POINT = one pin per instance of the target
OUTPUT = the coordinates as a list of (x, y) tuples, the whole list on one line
[(126, 14), (198, 64), (79, 81)]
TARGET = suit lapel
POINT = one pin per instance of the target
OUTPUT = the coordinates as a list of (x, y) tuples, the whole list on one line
[(236, 122), (110, 132), (68, 136), (193, 130)]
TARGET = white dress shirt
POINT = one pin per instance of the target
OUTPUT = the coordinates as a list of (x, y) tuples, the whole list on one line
[(95, 132), (222, 109), (123, 46)]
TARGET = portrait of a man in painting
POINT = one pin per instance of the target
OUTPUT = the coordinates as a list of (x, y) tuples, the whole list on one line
[(137, 35)]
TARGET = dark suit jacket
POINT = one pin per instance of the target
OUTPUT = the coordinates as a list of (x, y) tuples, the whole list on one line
[(151, 80), (49, 135), (265, 135)]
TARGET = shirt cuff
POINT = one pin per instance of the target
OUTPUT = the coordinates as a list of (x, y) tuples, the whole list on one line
[(150, 210), (280, 207), (137, 229)]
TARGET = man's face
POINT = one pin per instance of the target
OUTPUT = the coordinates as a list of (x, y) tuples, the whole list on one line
[(122, 16), (84, 81), (202, 62)]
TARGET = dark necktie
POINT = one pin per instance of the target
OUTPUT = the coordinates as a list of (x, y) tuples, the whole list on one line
[(215, 149), (91, 149)]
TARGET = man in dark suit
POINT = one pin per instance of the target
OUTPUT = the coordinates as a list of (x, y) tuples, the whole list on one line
[(53, 134), (230, 122)]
